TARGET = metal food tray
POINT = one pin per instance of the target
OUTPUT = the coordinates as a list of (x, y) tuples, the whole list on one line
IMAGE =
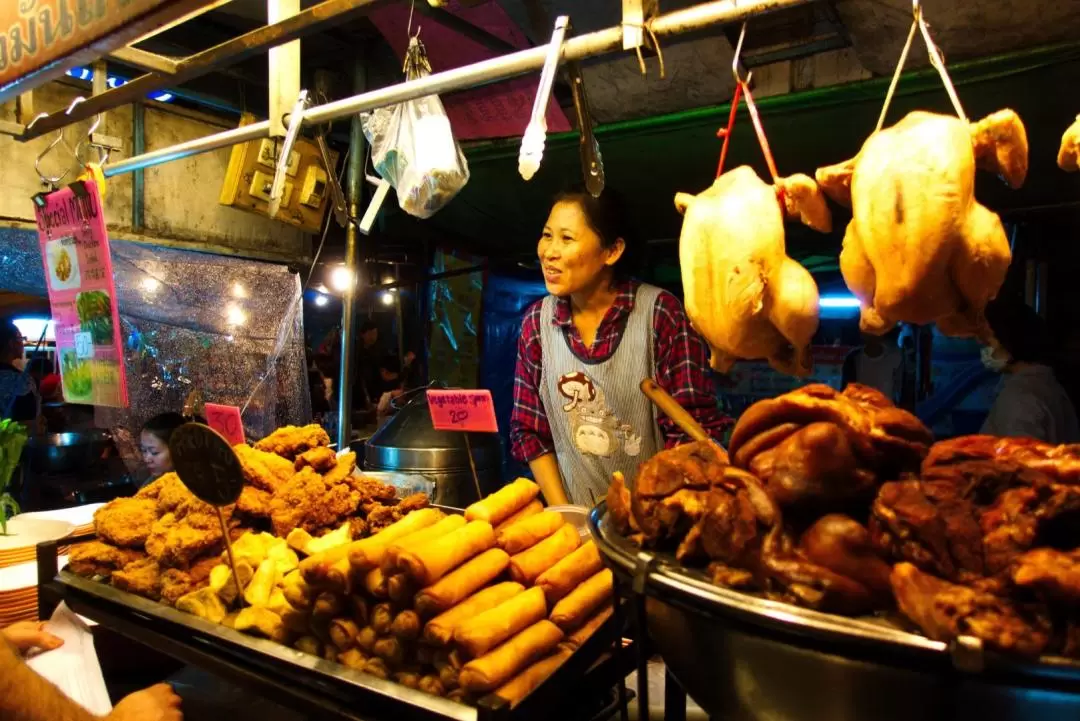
[(302, 681), (876, 639)]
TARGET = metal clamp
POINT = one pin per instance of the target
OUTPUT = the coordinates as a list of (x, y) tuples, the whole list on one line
[(532, 143), (592, 163), (337, 196), (296, 121)]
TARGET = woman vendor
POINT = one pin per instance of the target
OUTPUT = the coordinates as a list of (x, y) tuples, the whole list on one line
[(579, 414)]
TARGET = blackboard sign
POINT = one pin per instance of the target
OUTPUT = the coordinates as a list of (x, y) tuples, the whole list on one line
[(206, 464)]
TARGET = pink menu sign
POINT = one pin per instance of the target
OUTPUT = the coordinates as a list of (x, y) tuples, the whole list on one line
[(462, 410), (78, 270)]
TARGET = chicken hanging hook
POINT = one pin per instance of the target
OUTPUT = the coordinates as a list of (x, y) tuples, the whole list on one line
[(735, 60), (50, 181)]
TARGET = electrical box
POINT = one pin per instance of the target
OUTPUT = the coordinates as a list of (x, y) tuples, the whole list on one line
[(250, 174)]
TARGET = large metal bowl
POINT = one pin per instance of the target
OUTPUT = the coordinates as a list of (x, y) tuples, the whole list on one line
[(744, 658)]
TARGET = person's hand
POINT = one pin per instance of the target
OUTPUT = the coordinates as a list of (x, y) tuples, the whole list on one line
[(26, 635), (157, 703)]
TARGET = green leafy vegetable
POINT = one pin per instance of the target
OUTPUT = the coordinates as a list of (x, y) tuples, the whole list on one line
[(12, 440)]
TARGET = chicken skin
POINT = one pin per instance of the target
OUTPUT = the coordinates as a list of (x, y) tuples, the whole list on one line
[(263, 470), (95, 558), (291, 441), (126, 522)]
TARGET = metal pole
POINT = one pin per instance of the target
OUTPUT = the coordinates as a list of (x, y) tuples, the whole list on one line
[(354, 185), (138, 178), (469, 76), (400, 320)]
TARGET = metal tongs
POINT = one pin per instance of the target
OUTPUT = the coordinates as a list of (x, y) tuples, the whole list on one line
[(296, 121), (532, 144)]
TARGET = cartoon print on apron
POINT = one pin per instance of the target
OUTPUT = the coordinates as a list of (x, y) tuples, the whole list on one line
[(595, 428)]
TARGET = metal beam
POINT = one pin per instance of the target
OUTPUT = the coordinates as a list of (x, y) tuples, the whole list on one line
[(151, 62), (482, 73), (313, 20), (98, 30)]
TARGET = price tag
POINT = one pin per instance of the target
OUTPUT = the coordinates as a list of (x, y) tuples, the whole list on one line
[(84, 345), (226, 421), (462, 410), (206, 464)]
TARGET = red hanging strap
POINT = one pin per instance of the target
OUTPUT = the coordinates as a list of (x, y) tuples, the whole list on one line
[(725, 133), (762, 140)]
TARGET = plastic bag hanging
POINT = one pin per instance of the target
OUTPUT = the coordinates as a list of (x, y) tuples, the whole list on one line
[(413, 147)]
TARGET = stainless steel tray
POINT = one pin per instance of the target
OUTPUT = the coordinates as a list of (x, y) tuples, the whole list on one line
[(745, 657)]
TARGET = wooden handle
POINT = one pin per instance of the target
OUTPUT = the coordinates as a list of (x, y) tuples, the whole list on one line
[(673, 410)]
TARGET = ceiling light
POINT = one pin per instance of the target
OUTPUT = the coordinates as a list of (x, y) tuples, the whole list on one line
[(321, 300), (150, 284), (341, 278), (239, 291), (387, 298), (838, 301), (235, 315)]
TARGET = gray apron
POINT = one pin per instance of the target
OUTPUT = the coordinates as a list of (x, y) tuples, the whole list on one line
[(600, 420)]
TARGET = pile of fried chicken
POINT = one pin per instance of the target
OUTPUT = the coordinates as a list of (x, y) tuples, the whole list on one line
[(841, 503), (163, 542)]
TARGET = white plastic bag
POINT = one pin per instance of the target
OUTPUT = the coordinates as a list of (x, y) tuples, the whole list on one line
[(413, 147)]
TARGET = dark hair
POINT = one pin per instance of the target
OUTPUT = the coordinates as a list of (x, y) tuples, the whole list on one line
[(1020, 330), (163, 425), (8, 332), (606, 216)]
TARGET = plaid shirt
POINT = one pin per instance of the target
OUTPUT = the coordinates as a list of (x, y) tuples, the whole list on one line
[(681, 368)]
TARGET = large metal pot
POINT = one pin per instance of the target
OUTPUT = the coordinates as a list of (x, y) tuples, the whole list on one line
[(53, 453), (743, 658), (408, 443)]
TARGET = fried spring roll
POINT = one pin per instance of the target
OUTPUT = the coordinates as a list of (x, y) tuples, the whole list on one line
[(528, 680), (409, 679), (462, 582), (406, 626), (391, 650), (352, 658), (375, 583), (570, 572), (431, 561), (432, 685), (316, 568), (485, 631), (414, 540), (327, 606), (504, 502), (360, 609), (367, 553), (297, 591), (366, 638), (377, 667), (531, 509), (574, 641), (580, 603), (528, 532), (309, 645), (343, 632), (526, 566), (400, 588), (449, 677), (425, 655), (493, 669), (440, 630)]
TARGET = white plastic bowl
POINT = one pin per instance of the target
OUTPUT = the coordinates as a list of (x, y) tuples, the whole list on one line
[(576, 515)]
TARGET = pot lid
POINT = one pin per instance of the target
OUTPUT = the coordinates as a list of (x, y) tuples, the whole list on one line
[(408, 441)]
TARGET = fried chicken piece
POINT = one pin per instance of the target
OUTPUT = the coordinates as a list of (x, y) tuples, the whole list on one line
[(142, 577), (194, 529), (254, 502), (126, 521), (380, 516), (1054, 574), (266, 471), (95, 558), (1025, 517), (372, 490), (342, 470), (308, 502), (945, 610), (415, 502), (290, 441), (322, 459), (176, 582), (168, 491), (358, 527)]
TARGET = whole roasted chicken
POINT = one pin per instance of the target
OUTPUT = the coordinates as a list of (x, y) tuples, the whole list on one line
[(920, 248), (1069, 153), (743, 293)]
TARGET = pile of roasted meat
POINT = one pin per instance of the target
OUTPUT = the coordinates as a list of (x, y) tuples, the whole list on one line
[(839, 502)]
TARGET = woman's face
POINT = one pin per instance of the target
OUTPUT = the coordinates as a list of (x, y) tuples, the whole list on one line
[(155, 454), (570, 251)]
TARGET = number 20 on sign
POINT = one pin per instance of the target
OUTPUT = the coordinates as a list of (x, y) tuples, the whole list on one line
[(462, 410)]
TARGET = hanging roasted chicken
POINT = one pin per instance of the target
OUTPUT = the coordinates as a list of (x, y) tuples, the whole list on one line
[(1069, 153), (920, 248), (742, 291)]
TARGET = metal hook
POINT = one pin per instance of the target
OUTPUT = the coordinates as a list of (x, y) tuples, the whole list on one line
[(45, 179), (735, 59), (916, 9)]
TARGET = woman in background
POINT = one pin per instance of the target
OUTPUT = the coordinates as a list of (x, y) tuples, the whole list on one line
[(1030, 402), (154, 442)]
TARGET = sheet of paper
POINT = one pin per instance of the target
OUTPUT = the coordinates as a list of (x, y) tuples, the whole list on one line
[(462, 410), (74, 667)]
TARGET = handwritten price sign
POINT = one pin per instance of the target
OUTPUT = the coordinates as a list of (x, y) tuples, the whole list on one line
[(472, 410), (226, 421)]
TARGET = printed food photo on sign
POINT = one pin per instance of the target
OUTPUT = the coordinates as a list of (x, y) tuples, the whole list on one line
[(77, 377), (62, 260), (95, 315)]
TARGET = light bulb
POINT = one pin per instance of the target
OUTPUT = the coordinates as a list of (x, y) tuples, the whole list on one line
[(387, 298), (341, 278), (321, 300)]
